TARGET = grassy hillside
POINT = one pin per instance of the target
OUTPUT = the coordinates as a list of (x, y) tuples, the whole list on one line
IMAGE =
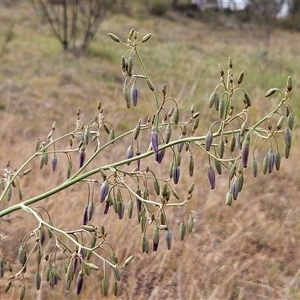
[(248, 251)]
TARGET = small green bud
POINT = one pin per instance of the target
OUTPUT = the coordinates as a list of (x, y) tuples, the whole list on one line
[(190, 223), (22, 292), (146, 37), (208, 140), (270, 92), (277, 160), (290, 120), (280, 123), (240, 78), (289, 84), (104, 287), (182, 229), (168, 238)]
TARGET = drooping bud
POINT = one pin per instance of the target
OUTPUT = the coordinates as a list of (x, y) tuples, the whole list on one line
[(150, 84), (247, 100), (22, 292), (85, 217), (265, 164), (280, 123), (90, 211), (222, 108), (37, 280), (104, 287), (290, 120), (228, 198), (208, 140), (234, 190), (81, 156), (129, 153), (168, 132), (126, 96), (159, 155), (277, 160), (134, 92), (145, 243), (182, 230), (130, 208), (288, 137), (211, 176), (191, 165), (155, 238), (104, 190), (232, 143), (254, 166), (176, 173), (154, 140), (218, 166), (54, 162), (271, 160), (168, 238), (245, 151)]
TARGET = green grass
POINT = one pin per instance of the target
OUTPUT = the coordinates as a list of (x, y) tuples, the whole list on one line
[(247, 251)]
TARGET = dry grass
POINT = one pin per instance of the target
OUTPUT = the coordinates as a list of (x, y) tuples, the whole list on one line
[(248, 251)]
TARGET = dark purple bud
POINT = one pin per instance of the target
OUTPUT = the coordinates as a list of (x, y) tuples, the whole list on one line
[(54, 162), (138, 164), (106, 207), (79, 283), (104, 190), (159, 155), (245, 151), (81, 157), (176, 173), (85, 215), (211, 176), (75, 262), (138, 201), (154, 140), (155, 246), (134, 94)]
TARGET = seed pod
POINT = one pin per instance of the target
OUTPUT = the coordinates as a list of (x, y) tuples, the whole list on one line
[(160, 155), (146, 37), (104, 190), (211, 176), (134, 92), (228, 198), (222, 108), (247, 100), (289, 84), (168, 238), (288, 137), (176, 173), (182, 230), (290, 120), (208, 140), (114, 37), (254, 166), (240, 78), (270, 92), (218, 166), (104, 287), (277, 160), (245, 151), (154, 140), (37, 280), (22, 292), (145, 243), (168, 132), (271, 160), (265, 164)]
